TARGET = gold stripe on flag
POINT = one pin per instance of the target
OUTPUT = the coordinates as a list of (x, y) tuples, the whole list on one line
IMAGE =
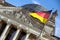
[(43, 20)]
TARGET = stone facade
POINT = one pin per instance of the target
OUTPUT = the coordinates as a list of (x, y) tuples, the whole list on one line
[(3, 3), (17, 24)]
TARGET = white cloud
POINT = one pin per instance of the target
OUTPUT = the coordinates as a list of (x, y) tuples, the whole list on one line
[(57, 22), (57, 31), (35, 2)]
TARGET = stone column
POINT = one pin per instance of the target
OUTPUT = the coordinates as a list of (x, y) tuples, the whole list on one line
[(17, 34), (27, 35), (5, 32)]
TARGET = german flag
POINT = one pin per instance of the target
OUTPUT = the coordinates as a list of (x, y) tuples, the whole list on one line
[(42, 16)]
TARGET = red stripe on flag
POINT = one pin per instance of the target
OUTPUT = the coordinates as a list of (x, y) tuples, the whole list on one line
[(43, 14)]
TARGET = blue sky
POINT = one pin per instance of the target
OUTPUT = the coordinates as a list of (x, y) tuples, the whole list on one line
[(48, 4)]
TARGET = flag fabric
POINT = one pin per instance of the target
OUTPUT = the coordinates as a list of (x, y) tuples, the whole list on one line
[(42, 16)]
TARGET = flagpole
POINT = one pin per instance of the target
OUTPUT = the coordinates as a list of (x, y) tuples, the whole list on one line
[(43, 28)]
